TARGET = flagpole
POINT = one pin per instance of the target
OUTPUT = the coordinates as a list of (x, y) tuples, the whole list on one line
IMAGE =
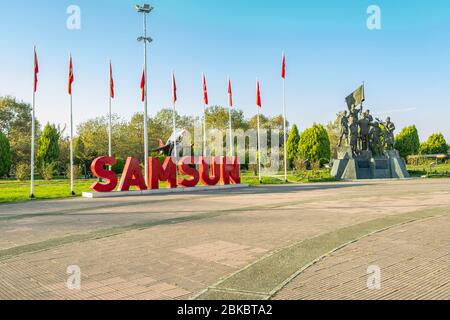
[(205, 106), (33, 129), (174, 121), (230, 120), (110, 115), (71, 148), (259, 140), (259, 151), (284, 123)]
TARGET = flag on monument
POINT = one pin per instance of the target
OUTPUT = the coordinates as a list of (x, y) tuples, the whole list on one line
[(174, 86), (36, 70), (143, 86), (258, 95), (111, 81), (71, 77), (205, 91), (283, 66), (357, 97), (230, 94)]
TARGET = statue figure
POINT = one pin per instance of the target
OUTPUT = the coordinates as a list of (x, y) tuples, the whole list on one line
[(344, 128), (364, 128), (376, 145), (354, 113), (354, 138), (368, 116), (389, 138)]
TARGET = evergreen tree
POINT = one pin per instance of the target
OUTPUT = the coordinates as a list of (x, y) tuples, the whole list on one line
[(435, 144), (5, 155), (314, 145), (292, 144), (407, 141), (48, 151)]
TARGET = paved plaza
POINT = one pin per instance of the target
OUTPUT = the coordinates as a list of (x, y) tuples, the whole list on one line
[(312, 241)]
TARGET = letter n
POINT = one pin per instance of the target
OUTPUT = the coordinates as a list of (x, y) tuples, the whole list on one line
[(162, 172), (205, 171), (230, 170), (98, 169), (132, 176)]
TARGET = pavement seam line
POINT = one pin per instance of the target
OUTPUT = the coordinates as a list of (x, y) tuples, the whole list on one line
[(268, 295)]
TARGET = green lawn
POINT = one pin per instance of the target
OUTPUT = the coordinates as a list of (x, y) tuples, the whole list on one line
[(436, 171), (14, 191)]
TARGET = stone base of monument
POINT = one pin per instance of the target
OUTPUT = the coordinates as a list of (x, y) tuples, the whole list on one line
[(366, 166)]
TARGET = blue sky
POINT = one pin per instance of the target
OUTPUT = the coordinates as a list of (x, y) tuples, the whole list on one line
[(330, 51)]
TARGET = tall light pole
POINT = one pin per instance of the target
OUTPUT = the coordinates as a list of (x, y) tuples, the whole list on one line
[(145, 9)]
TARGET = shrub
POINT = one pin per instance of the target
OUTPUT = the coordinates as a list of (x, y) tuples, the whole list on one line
[(5, 155), (314, 145), (435, 144), (76, 172), (48, 171), (23, 171), (407, 142)]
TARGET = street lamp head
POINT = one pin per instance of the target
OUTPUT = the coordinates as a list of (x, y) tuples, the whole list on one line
[(146, 8), (148, 39)]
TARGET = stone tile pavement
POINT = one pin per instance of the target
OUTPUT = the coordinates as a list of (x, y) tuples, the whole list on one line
[(414, 261), (175, 246)]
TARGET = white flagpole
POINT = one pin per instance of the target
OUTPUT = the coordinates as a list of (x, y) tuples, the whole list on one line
[(71, 149), (110, 114), (230, 121), (33, 129), (284, 126), (204, 119), (259, 143), (174, 121)]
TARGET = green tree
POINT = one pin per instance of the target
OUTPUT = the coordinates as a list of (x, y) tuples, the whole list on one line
[(292, 144), (435, 144), (5, 155), (48, 152), (217, 117), (407, 142), (15, 122), (334, 131), (314, 144)]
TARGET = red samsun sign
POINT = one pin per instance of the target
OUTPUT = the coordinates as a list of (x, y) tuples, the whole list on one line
[(211, 172)]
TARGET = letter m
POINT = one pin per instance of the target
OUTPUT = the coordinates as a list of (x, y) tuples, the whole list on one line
[(162, 172)]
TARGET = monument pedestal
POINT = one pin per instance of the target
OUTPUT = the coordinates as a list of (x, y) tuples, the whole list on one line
[(365, 166)]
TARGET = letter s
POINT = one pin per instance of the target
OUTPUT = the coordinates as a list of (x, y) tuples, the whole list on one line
[(98, 169)]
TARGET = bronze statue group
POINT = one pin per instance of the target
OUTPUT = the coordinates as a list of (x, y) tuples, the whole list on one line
[(362, 132)]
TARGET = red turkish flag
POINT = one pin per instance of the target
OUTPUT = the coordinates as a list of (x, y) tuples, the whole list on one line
[(230, 94), (174, 86), (258, 95), (36, 70), (71, 77), (283, 67), (111, 81), (143, 85), (205, 91)]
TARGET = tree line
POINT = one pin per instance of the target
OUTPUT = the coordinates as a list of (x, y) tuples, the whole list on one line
[(316, 145)]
